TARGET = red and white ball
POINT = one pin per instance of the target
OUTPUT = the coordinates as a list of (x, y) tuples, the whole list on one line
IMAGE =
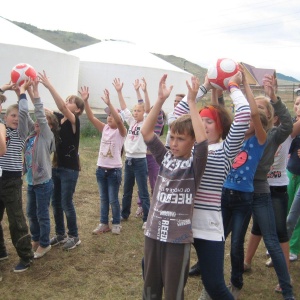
[(220, 73), (22, 72)]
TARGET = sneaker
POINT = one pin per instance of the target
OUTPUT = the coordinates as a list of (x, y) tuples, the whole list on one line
[(123, 219), (72, 242), (204, 295), (21, 267), (234, 291), (267, 253), (3, 256), (278, 288), (293, 256), (139, 212), (269, 263), (58, 240), (101, 228), (247, 267), (116, 229), (144, 225)]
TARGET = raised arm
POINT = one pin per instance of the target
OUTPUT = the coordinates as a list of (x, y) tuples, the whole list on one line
[(137, 86), (147, 100), (2, 139), (199, 129), (114, 113), (60, 103), (149, 124), (260, 132), (84, 93), (119, 86)]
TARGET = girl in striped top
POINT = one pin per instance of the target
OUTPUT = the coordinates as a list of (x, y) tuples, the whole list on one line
[(225, 139)]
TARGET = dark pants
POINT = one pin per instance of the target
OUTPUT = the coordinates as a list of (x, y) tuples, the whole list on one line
[(11, 200), (166, 267)]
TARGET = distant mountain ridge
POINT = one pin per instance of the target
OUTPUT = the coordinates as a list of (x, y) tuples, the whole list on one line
[(70, 41)]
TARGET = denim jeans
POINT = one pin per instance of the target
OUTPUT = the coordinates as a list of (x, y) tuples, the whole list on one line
[(109, 181), (236, 213), (153, 169), (135, 169), (294, 214), (280, 201), (38, 201), (211, 262), (64, 181), (11, 198), (263, 216)]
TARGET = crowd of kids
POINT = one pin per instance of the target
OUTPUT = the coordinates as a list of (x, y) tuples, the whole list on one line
[(216, 170)]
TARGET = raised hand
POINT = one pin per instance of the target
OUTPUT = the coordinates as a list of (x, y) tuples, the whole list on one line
[(144, 85), (44, 79), (164, 91), (106, 97), (192, 89), (136, 84), (84, 93), (117, 84), (270, 86)]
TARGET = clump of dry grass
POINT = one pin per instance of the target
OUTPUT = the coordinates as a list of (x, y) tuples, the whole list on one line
[(109, 266)]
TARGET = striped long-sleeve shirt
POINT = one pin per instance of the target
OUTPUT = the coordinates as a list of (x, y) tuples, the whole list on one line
[(207, 217)]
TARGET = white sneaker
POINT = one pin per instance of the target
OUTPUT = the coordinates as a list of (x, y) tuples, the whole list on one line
[(139, 212), (116, 229), (234, 291), (269, 263), (101, 228), (204, 295), (144, 225), (293, 256)]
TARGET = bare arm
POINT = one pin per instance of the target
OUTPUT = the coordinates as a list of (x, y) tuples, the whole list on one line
[(149, 124), (136, 86), (119, 86), (84, 92), (199, 129), (2, 139), (147, 100), (60, 103), (114, 113), (260, 132)]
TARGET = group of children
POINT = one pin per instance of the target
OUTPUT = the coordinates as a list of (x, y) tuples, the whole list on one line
[(209, 178), (29, 146)]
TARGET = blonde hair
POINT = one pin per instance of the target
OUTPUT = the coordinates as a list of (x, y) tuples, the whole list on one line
[(10, 108), (267, 104)]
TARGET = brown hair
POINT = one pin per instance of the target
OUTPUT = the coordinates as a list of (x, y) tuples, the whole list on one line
[(183, 125), (79, 103), (55, 127), (224, 119), (264, 120), (180, 95)]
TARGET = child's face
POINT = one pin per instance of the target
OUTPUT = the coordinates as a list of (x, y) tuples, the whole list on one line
[(297, 106), (213, 136), (111, 122), (12, 119), (71, 105), (138, 113), (181, 144)]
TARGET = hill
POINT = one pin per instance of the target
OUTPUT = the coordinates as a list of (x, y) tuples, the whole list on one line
[(70, 41)]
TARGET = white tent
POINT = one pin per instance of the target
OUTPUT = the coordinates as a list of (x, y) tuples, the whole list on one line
[(102, 62), (20, 46)]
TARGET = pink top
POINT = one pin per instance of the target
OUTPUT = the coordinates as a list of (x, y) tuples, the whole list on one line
[(110, 148)]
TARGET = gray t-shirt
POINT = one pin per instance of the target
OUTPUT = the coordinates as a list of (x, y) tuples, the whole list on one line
[(171, 209)]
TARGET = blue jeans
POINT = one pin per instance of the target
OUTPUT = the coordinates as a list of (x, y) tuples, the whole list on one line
[(64, 181), (109, 181), (280, 201), (211, 262), (38, 201), (236, 213), (263, 216), (135, 169)]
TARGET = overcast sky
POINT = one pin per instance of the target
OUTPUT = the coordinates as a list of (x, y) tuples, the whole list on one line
[(262, 33)]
